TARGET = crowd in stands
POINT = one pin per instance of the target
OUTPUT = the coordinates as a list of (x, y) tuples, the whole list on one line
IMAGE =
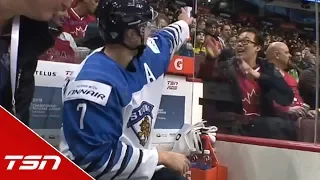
[(259, 79)]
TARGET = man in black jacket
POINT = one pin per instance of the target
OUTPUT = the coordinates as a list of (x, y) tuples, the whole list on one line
[(27, 63), (34, 40), (255, 85), (307, 86)]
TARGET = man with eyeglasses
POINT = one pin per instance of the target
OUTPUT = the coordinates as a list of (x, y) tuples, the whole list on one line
[(256, 84), (298, 61), (257, 77), (297, 55)]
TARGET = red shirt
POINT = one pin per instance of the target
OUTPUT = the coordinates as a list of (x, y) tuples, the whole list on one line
[(76, 25), (212, 43), (60, 52), (250, 96), (297, 101)]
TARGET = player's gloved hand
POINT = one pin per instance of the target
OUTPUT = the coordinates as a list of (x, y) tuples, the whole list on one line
[(174, 161), (184, 16)]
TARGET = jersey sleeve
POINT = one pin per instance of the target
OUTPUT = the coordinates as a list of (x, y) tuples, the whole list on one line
[(169, 39), (92, 129)]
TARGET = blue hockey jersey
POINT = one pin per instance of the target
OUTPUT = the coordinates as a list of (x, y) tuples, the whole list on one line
[(109, 113)]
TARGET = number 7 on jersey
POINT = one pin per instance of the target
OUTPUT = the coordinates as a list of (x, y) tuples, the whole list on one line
[(83, 108)]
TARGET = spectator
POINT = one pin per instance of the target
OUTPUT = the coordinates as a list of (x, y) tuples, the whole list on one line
[(193, 28), (220, 47), (310, 59), (79, 17), (256, 86), (170, 16), (225, 34), (213, 45), (33, 9), (28, 50), (162, 20), (249, 44), (267, 40), (211, 28), (65, 46), (296, 56), (231, 42), (278, 53), (201, 25), (307, 86), (199, 48), (305, 52), (229, 51), (298, 63), (166, 10)]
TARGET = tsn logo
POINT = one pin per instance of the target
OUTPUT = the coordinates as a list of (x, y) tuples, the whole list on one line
[(32, 162)]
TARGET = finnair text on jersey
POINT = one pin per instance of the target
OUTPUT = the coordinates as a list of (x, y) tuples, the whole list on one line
[(87, 92)]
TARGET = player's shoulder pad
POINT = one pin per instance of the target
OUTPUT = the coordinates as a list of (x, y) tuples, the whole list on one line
[(89, 90)]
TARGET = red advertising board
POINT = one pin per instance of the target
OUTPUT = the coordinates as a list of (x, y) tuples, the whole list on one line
[(181, 65)]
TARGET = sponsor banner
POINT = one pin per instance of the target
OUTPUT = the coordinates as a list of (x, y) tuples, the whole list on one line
[(53, 74), (172, 85), (27, 156), (175, 109), (176, 85), (170, 119), (46, 113), (181, 65), (46, 108), (171, 112)]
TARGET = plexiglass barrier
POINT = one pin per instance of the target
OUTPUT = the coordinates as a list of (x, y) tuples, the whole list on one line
[(250, 68), (257, 66)]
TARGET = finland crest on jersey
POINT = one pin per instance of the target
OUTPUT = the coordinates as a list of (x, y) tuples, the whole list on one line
[(141, 121)]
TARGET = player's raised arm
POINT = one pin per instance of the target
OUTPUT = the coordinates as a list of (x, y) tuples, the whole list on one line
[(92, 130), (171, 38)]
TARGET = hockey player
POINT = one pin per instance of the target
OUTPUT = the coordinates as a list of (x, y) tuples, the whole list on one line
[(111, 103)]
